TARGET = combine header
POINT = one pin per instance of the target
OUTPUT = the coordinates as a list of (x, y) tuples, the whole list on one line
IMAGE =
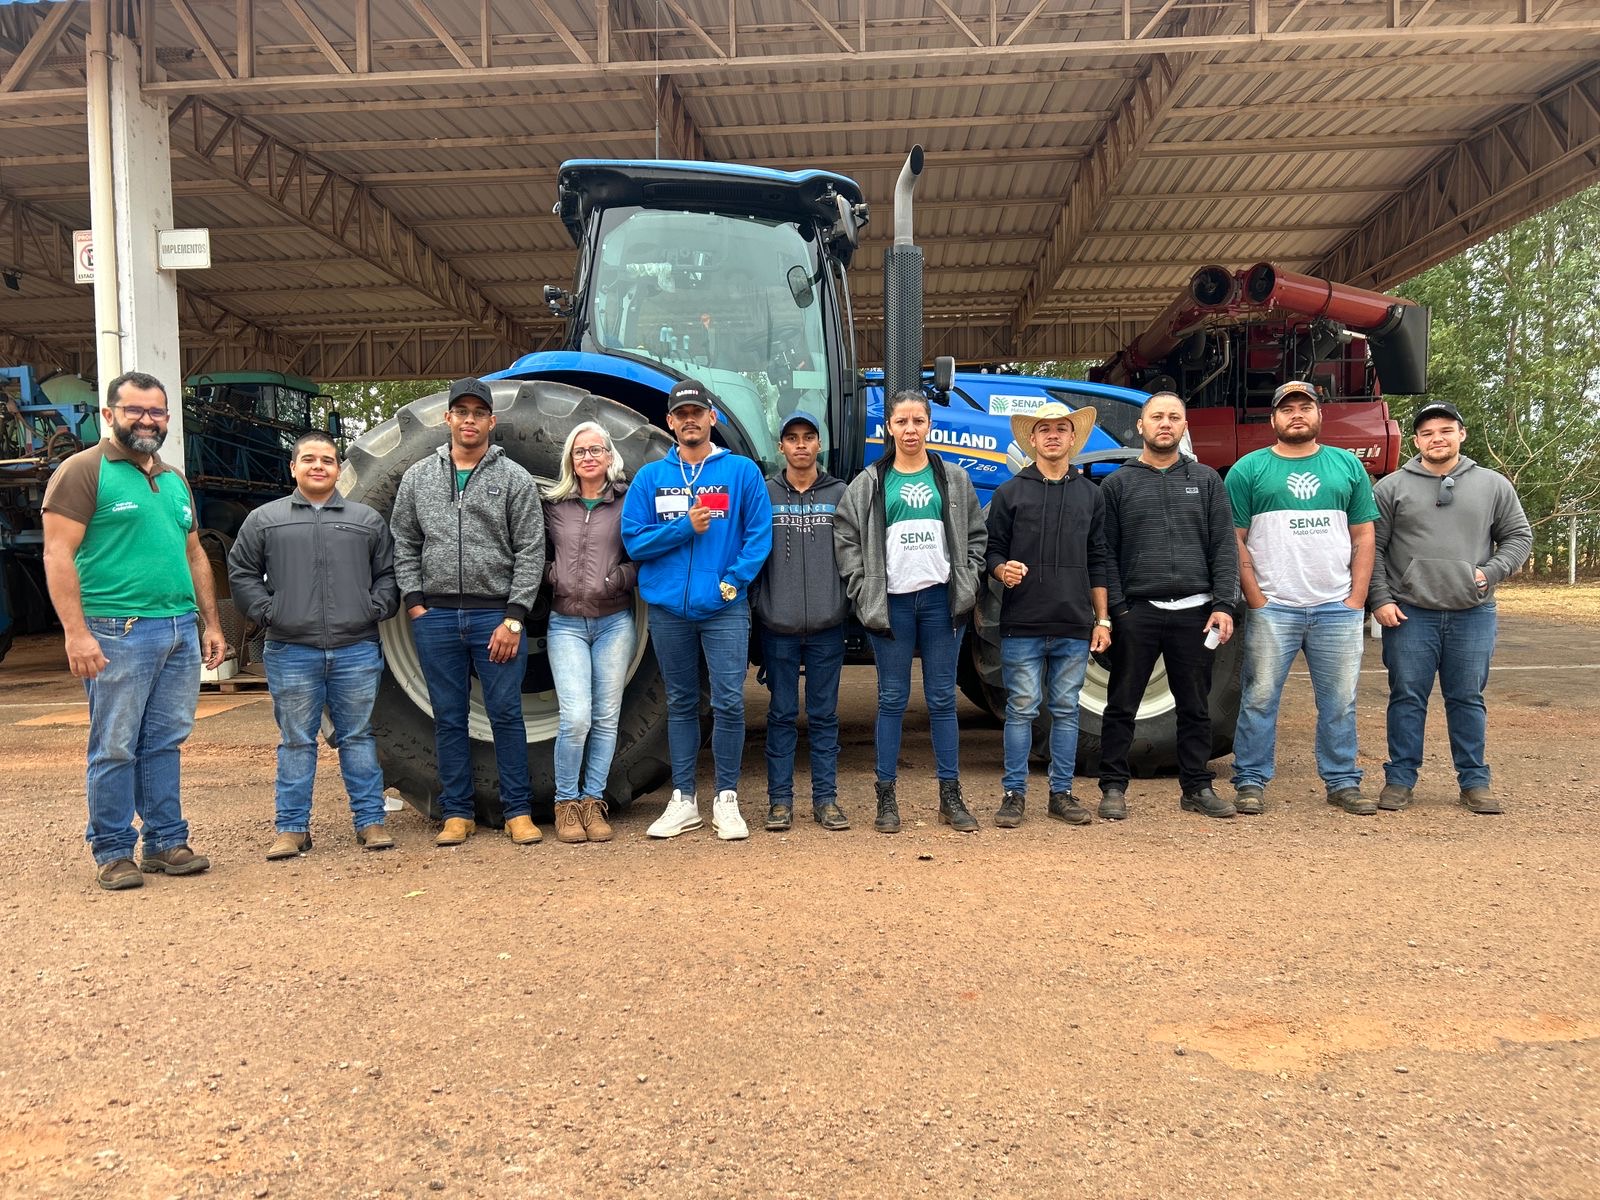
[(1229, 340)]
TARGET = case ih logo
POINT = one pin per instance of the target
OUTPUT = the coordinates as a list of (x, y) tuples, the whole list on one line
[(1303, 485), (916, 495)]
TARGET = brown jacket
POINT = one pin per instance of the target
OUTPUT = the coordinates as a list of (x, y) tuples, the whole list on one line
[(589, 572)]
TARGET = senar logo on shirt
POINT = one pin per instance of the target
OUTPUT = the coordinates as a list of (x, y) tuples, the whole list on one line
[(916, 495), (1303, 485)]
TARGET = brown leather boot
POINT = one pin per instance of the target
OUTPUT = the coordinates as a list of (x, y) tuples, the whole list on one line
[(592, 809), (456, 830), (288, 845), (569, 822), (118, 875), (374, 837), (523, 831)]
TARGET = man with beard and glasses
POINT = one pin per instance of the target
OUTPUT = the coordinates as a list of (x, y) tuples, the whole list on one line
[(127, 575), (1303, 515), (1449, 529), (1172, 584)]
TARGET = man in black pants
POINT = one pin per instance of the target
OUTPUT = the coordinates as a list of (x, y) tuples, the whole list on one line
[(1173, 585)]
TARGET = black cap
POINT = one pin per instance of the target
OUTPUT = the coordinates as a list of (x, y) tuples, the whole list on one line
[(463, 388), (1293, 389), (1437, 408), (690, 391)]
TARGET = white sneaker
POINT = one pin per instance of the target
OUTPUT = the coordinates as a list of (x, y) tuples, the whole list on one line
[(726, 818), (680, 816)]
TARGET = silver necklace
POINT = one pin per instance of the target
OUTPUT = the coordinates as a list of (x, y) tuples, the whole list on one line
[(690, 480)]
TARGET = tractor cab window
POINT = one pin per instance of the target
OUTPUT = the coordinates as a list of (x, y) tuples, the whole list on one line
[(733, 301)]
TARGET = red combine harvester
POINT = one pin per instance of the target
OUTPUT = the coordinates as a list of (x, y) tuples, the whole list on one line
[(1228, 341)]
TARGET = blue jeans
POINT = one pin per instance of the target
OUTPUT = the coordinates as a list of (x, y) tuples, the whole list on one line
[(921, 623), (1033, 668), (724, 640), (822, 655), (1456, 647), (1330, 634), (141, 708), (304, 680), (589, 658), (453, 645)]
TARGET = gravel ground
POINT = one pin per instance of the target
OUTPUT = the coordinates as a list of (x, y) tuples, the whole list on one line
[(1300, 1004)]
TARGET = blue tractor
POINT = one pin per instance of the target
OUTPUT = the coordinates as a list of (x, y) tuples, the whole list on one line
[(736, 276)]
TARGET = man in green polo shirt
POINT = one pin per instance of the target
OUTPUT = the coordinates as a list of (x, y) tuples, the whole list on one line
[(127, 575)]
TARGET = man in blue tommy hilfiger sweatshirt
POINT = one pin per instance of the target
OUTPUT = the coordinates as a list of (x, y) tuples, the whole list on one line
[(699, 525)]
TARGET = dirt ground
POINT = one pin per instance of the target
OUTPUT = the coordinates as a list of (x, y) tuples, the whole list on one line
[(1300, 1004)]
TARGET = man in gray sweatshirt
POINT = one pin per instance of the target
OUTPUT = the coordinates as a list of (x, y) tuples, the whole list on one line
[(316, 571), (469, 558), (800, 601), (1448, 531)]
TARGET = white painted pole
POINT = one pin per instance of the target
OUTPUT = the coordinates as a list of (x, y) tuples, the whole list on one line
[(1572, 550), (102, 193)]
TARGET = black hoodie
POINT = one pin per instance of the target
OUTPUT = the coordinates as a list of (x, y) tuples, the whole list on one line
[(799, 590), (1169, 534), (1055, 527)]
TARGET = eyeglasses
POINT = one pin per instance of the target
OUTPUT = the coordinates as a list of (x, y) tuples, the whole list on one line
[(588, 452), (1447, 491), (139, 412)]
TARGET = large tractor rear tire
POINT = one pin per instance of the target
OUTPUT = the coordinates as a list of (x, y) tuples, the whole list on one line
[(1155, 733), (533, 420)]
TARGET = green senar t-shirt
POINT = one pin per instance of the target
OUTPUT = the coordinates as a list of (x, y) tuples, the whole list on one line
[(462, 475), (915, 555), (1298, 512), (133, 560)]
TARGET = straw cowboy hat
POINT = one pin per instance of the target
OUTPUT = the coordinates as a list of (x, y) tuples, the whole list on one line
[(1082, 419)]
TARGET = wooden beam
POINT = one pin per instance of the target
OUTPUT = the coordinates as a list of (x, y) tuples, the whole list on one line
[(202, 39), (561, 31), (318, 38), (54, 24), (441, 31)]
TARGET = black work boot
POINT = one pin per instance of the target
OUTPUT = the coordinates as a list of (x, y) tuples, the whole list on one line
[(953, 809), (1113, 804), (888, 820), (1205, 800), (1009, 814), (1064, 808)]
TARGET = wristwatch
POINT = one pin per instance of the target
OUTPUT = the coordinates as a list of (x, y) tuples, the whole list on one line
[(512, 624), (1104, 622), (729, 592)]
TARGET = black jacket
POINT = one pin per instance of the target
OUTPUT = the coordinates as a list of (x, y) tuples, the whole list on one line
[(1056, 528), (1169, 534), (320, 577), (800, 589)]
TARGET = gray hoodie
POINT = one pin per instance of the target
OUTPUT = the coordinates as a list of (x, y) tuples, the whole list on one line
[(799, 590), (860, 541), (479, 547), (1427, 553)]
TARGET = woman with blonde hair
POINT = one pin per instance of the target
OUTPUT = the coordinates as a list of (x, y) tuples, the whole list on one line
[(592, 635)]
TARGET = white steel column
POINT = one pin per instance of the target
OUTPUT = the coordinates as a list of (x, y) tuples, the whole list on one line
[(140, 193)]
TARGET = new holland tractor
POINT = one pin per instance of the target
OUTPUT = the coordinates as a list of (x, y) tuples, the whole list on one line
[(735, 276)]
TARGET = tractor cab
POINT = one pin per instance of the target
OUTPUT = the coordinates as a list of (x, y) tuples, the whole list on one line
[(733, 276)]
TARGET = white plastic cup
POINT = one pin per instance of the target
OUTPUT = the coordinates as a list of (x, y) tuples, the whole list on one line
[(1213, 638)]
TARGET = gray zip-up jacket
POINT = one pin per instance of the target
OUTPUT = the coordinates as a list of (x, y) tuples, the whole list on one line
[(320, 577), (1428, 553), (589, 572), (860, 541), (481, 546), (800, 590)]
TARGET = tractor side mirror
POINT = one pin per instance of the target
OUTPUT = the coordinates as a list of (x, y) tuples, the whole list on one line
[(800, 287), (335, 423)]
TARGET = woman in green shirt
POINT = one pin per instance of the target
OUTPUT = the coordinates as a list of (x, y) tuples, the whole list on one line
[(909, 537)]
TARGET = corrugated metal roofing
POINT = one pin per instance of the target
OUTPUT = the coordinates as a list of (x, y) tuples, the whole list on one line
[(1277, 149)]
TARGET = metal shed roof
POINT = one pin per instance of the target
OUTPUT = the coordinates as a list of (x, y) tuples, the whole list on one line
[(1084, 156)]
